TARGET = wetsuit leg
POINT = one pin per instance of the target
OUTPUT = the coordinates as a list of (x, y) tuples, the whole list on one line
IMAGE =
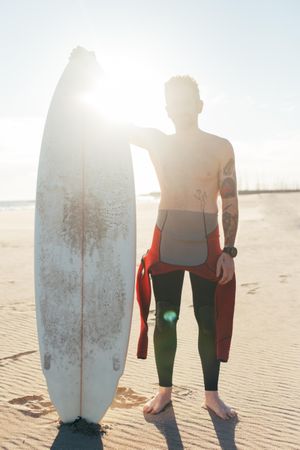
[(204, 310), (167, 288)]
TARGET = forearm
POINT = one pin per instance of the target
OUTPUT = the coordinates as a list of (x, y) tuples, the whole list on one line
[(230, 216), (129, 131), (121, 127)]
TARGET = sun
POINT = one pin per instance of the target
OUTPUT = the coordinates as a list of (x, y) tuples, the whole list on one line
[(107, 100), (134, 95)]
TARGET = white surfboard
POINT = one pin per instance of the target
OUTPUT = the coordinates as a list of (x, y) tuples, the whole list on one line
[(85, 249)]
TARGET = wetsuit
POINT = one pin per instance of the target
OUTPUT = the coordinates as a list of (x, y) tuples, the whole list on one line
[(167, 289), (185, 240)]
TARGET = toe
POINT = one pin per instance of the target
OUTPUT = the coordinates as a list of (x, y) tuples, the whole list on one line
[(230, 413), (147, 408)]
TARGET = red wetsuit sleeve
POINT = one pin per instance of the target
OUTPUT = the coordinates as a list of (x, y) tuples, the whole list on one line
[(224, 302), (143, 293)]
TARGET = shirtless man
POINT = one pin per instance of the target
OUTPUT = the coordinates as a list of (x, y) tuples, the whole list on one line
[(192, 167)]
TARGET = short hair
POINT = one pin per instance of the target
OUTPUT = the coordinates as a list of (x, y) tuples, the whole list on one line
[(178, 81)]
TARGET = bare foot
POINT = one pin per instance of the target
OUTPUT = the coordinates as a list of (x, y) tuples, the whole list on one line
[(213, 401), (159, 401)]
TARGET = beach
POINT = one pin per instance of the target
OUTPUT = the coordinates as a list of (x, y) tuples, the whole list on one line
[(260, 379)]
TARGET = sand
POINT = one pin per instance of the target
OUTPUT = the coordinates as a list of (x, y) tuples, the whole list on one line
[(260, 379)]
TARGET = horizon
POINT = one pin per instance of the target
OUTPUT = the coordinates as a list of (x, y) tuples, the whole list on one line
[(156, 194)]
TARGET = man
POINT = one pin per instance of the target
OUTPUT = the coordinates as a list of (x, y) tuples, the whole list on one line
[(192, 167)]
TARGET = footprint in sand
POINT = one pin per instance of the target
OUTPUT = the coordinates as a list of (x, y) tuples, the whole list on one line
[(33, 405), (127, 398), (253, 290), (16, 356), (181, 391), (283, 278)]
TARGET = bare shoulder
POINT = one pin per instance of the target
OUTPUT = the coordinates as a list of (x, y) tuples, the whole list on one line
[(220, 141), (222, 146)]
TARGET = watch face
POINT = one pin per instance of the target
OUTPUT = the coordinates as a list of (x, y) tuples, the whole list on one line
[(233, 251)]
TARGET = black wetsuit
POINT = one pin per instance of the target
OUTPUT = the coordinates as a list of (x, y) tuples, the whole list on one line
[(184, 242)]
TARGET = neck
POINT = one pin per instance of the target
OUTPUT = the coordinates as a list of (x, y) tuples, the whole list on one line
[(191, 128), (187, 130)]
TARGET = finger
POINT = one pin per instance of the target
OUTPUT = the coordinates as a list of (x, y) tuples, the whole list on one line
[(224, 277)]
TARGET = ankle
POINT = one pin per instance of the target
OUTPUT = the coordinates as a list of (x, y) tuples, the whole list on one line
[(165, 389), (211, 394)]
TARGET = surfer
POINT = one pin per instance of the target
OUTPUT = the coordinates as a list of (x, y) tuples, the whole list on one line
[(193, 167)]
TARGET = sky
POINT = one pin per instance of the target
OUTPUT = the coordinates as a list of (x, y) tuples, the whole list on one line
[(243, 54)]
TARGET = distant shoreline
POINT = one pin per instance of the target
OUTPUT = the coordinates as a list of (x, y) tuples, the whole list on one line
[(29, 204), (241, 192)]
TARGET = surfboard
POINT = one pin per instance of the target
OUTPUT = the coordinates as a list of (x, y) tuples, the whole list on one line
[(84, 248)]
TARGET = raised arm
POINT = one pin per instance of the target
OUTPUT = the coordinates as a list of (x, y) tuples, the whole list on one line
[(145, 137), (228, 192)]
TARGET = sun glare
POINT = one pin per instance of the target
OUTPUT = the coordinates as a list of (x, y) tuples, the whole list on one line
[(132, 96), (106, 100)]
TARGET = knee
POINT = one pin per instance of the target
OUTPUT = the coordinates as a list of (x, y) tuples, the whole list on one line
[(205, 316), (166, 314)]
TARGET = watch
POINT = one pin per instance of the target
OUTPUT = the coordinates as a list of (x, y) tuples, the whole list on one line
[(232, 251)]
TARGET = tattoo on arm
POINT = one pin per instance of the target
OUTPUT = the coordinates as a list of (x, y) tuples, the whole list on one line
[(230, 224), (229, 168), (228, 187), (228, 192)]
